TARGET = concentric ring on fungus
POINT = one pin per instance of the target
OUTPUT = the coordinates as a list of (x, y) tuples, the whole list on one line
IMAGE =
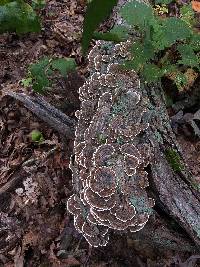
[(103, 182), (103, 154), (95, 201)]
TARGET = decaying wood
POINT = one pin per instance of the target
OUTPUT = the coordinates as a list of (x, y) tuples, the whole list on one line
[(46, 112), (176, 192)]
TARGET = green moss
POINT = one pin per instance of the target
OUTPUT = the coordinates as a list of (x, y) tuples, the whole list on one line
[(36, 136), (101, 138), (174, 159)]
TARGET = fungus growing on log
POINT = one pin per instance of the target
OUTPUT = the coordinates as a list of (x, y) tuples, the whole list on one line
[(108, 170)]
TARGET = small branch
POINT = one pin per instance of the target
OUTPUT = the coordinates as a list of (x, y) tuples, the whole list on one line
[(46, 112)]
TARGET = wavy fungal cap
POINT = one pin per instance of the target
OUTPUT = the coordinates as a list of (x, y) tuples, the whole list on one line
[(108, 168)]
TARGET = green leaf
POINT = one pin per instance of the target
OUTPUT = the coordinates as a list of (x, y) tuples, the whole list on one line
[(40, 83), (18, 16), (38, 4), (117, 34), (187, 14), (42, 71), (174, 159), (39, 72), (27, 82), (168, 68), (137, 14), (188, 56), (151, 73), (36, 136), (63, 65), (39, 68), (107, 36), (121, 31), (169, 31), (195, 42), (141, 54), (97, 11), (165, 2)]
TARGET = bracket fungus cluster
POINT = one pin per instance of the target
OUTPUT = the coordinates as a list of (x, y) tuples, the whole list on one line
[(109, 157)]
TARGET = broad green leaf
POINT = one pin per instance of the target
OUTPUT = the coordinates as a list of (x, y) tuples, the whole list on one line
[(18, 16), (39, 74), (151, 73), (64, 65), (39, 68), (188, 56), (3, 2), (170, 31), (97, 11), (175, 29), (141, 53), (116, 34), (40, 83), (107, 36), (121, 31), (42, 71), (137, 14)]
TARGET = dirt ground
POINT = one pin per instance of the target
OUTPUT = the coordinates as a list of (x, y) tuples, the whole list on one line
[(35, 179)]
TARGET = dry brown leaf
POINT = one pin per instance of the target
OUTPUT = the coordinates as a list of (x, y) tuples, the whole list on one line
[(196, 6)]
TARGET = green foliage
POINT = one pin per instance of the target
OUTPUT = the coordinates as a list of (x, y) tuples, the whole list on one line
[(97, 11), (121, 31), (168, 31), (27, 82), (187, 14), (137, 14), (117, 34), (63, 65), (166, 46), (188, 56), (195, 42), (107, 36), (40, 73), (38, 4), (165, 2), (18, 16), (36, 136), (151, 55), (141, 52), (151, 72), (174, 159)]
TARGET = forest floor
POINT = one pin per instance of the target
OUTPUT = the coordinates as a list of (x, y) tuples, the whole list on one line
[(35, 179)]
